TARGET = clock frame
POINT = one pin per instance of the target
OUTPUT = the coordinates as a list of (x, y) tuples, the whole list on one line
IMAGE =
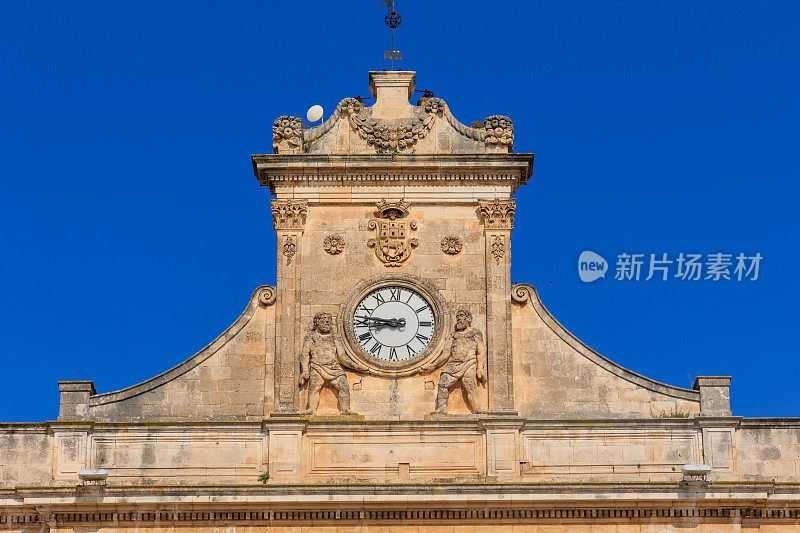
[(409, 366)]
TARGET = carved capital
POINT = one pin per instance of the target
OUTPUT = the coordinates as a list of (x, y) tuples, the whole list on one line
[(498, 214), (289, 214)]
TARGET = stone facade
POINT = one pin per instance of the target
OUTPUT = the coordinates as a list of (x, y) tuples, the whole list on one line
[(398, 196)]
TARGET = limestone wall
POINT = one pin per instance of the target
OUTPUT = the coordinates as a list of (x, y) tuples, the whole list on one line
[(230, 379), (557, 376), (25, 454), (767, 449)]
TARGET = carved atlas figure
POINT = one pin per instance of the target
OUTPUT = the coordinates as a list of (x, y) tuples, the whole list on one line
[(319, 364), (466, 363)]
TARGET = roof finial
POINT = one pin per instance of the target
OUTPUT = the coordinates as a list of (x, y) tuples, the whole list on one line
[(392, 20)]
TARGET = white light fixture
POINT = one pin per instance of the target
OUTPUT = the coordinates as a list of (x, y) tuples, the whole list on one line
[(93, 476), (695, 470)]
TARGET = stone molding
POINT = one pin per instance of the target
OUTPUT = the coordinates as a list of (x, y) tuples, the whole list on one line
[(523, 293), (425, 169), (726, 505), (262, 296), (289, 214)]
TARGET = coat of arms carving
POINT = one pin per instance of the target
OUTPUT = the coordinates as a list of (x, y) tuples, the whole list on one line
[(392, 244)]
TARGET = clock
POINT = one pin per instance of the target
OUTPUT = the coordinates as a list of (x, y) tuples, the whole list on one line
[(394, 323)]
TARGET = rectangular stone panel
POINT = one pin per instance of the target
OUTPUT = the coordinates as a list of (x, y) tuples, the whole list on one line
[(609, 451), (394, 453), (166, 455)]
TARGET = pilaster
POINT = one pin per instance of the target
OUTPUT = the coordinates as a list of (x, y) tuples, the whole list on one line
[(498, 221), (289, 220)]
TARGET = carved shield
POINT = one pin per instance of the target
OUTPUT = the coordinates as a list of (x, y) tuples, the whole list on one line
[(392, 245)]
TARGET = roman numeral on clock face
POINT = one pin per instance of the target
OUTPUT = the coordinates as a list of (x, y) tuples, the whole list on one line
[(391, 318)]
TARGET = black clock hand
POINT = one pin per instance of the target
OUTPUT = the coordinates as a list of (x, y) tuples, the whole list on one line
[(391, 322)]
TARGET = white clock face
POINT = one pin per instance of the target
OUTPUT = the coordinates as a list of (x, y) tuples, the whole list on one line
[(394, 323)]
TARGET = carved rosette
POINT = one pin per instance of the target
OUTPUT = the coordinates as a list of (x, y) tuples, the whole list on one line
[(287, 134), (451, 244), (498, 214), (289, 214), (333, 244)]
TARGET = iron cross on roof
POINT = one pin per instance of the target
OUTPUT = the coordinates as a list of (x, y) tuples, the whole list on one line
[(392, 20)]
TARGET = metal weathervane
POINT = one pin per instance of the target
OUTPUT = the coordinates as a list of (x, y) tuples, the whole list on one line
[(392, 20)]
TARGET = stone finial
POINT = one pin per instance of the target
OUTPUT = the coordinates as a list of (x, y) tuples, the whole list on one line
[(715, 395), (74, 399), (392, 90)]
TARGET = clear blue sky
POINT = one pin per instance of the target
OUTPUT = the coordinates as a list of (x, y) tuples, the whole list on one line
[(134, 231)]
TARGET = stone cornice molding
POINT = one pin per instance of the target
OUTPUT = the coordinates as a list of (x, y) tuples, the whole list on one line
[(262, 296), (425, 169), (523, 293), (552, 503)]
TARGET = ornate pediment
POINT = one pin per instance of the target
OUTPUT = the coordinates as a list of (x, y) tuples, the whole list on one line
[(393, 125)]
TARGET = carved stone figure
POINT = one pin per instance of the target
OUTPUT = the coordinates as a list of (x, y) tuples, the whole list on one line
[(319, 365), (465, 354)]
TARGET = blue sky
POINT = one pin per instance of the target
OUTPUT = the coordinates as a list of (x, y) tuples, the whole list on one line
[(134, 231)]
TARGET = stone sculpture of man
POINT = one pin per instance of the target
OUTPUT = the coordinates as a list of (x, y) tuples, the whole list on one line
[(466, 362), (319, 365)]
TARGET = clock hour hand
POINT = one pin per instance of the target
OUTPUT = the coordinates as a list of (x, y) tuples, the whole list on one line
[(391, 322)]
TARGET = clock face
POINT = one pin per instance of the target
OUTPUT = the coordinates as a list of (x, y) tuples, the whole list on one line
[(394, 323)]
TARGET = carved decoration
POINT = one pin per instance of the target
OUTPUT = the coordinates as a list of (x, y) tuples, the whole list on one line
[(393, 135), (392, 209), (289, 214), (289, 248), (333, 244), (451, 244), (288, 130), (267, 296), (396, 134), (392, 244), (498, 214), (466, 363), (499, 130), (321, 360), (498, 248)]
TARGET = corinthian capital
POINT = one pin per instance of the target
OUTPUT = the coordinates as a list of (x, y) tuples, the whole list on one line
[(289, 214), (498, 214)]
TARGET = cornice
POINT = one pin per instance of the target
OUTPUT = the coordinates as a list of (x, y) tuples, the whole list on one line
[(348, 169)]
